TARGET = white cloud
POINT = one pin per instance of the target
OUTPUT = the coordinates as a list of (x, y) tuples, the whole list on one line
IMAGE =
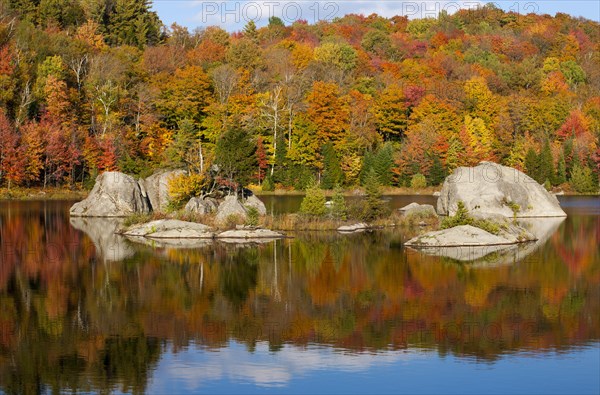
[(194, 367)]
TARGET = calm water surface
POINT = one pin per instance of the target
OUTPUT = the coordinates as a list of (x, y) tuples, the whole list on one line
[(84, 310)]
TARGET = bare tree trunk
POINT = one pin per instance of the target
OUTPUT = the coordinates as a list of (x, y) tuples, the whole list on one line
[(201, 156)]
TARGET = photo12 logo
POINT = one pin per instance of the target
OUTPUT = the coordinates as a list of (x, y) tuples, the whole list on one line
[(260, 12), (236, 13)]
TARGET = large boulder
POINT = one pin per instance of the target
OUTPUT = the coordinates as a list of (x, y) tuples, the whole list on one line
[(157, 188), (114, 195), (231, 206), (253, 201), (201, 205), (490, 188), (458, 236), (420, 210), (358, 227)]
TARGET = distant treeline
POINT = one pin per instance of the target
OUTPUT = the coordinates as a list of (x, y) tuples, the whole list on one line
[(94, 85)]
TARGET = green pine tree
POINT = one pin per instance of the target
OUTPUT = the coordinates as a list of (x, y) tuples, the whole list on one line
[(280, 169), (383, 162), (546, 164), (583, 179), (235, 156), (332, 172), (437, 173), (367, 165), (561, 171), (268, 184), (182, 152), (531, 164), (313, 203), (250, 31), (338, 208), (131, 22), (374, 204), (568, 155)]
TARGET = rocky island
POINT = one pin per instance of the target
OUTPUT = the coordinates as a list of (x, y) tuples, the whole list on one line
[(488, 209), (119, 195), (479, 206)]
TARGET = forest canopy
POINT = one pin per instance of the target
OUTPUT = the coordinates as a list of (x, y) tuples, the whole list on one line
[(88, 86)]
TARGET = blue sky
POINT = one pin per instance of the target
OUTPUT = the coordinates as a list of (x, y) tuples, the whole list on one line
[(233, 15)]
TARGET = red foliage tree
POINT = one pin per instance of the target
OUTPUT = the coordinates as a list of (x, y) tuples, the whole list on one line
[(62, 154), (261, 158), (12, 160)]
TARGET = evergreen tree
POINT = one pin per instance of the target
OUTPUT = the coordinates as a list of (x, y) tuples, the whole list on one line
[(63, 13), (332, 172), (531, 164), (313, 203), (374, 204), (275, 22), (568, 156), (27, 9), (183, 150), (546, 165), (367, 165), (250, 31), (383, 162), (338, 208), (268, 185), (583, 179), (561, 171), (280, 168), (235, 156), (418, 181), (437, 172), (130, 22)]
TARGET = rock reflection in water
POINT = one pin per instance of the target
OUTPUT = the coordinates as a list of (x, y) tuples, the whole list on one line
[(170, 243), (542, 228), (102, 232)]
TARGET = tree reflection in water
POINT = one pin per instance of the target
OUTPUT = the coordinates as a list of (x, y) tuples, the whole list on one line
[(74, 319)]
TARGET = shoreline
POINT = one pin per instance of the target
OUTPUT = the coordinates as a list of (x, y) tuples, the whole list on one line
[(49, 193), (62, 193)]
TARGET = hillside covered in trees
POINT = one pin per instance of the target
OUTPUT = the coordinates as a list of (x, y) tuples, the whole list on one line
[(88, 86)]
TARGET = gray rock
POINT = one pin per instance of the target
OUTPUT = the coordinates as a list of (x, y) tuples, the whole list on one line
[(201, 205), (109, 246), (230, 206), (459, 236), (245, 234), (361, 226), (490, 188), (114, 195), (253, 201), (157, 188), (423, 210), (409, 206), (170, 229)]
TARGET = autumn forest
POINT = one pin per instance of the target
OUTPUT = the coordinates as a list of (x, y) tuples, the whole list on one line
[(90, 86)]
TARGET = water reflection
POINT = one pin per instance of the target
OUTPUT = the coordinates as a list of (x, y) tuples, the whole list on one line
[(75, 315), (102, 232), (493, 255)]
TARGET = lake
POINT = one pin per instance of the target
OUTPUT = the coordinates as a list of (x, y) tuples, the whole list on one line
[(82, 309)]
